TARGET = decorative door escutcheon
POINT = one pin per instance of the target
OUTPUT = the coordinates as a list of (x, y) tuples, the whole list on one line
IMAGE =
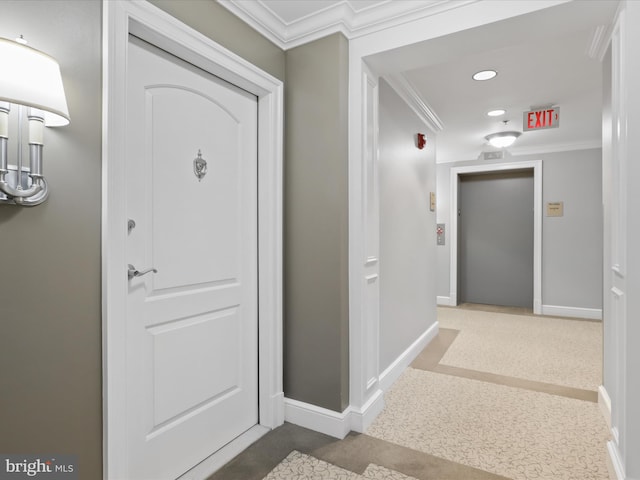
[(199, 166)]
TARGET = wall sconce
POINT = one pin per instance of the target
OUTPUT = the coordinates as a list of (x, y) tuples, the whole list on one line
[(31, 81)]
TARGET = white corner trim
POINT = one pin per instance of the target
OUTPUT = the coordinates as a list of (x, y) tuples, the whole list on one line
[(415, 101), (393, 371), (319, 419), (363, 417), (604, 402), (445, 301), (614, 462), (574, 312)]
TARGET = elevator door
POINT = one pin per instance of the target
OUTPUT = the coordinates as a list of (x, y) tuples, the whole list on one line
[(496, 229)]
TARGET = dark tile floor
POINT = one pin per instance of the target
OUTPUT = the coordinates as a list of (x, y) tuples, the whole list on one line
[(353, 453)]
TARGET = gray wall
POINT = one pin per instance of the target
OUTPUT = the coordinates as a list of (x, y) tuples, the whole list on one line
[(572, 244), (495, 230), (316, 320), (407, 228), (50, 344), (50, 302)]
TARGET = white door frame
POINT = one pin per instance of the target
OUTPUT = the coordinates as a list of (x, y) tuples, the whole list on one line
[(120, 18), (536, 165)]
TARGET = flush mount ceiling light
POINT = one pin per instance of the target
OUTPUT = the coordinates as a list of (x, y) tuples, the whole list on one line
[(30, 81), (496, 113), (484, 75), (502, 139)]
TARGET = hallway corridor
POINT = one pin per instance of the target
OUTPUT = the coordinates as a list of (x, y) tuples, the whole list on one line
[(514, 395), (495, 395)]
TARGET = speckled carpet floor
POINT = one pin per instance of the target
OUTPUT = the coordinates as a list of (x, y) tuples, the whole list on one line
[(476, 414), (544, 349)]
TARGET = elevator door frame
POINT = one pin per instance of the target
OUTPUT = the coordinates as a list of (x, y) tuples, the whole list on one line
[(536, 165)]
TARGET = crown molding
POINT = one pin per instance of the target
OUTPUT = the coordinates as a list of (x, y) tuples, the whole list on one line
[(258, 17), (408, 93), (600, 39), (339, 17)]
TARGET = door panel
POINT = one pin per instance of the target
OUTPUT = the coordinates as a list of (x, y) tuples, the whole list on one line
[(194, 345), (192, 326), (496, 238), (213, 240)]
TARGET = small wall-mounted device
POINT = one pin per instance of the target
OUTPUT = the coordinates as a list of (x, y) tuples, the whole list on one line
[(440, 233), (497, 155), (421, 140), (555, 209)]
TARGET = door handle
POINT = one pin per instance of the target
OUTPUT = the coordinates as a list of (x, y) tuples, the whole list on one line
[(134, 272)]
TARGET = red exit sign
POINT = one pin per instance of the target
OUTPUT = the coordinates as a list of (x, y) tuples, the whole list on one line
[(541, 118)]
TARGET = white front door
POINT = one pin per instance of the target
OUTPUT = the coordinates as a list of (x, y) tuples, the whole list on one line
[(192, 327)]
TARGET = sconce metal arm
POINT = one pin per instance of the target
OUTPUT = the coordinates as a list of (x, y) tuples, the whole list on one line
[(13, 187), (37, 186)]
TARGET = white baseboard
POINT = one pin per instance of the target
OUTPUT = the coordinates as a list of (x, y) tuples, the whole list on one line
[(277, 412), (316, 418), (604, 402), (575, 312), (223, 456), (334, 424), (339, 424), (393, 371), (444, 301), (614, 462), (363, 417)]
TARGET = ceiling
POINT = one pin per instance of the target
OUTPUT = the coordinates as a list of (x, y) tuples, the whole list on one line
[(549, 57)]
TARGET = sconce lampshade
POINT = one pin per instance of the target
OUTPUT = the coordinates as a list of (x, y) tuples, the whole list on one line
[(502, 139), (32, 78)]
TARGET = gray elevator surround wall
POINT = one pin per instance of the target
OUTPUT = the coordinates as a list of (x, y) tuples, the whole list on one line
[(496, 238), (316, 227)]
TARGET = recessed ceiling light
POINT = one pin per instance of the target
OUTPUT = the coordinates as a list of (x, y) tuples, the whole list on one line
[(484, 75), (496, 113)]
